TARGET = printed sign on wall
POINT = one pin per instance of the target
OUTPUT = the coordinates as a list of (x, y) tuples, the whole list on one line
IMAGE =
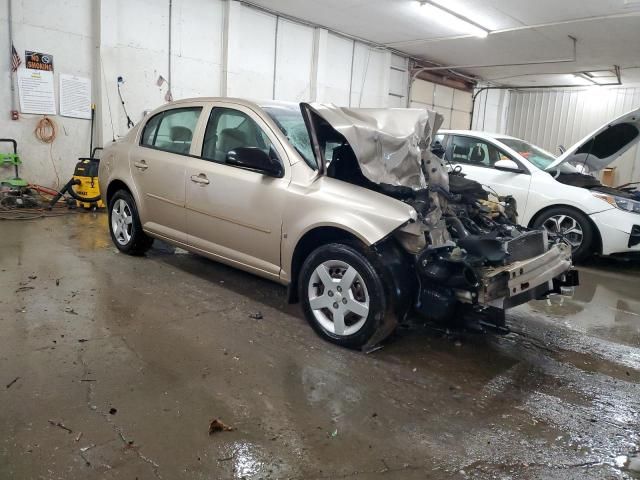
[(75, 96), (38, 61), (35, 90)]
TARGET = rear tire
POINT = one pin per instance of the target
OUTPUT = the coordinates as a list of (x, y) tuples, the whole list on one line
[(124, 225), (342, 295), (573, 226)]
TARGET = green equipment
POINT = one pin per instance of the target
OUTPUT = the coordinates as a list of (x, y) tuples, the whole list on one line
[(12, 160)]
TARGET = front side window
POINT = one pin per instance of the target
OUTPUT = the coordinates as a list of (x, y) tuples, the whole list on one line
[(228, 129), (171, 130), (474, 151)]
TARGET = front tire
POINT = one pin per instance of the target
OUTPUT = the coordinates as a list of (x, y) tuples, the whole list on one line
[(342, 295), (571, 225), (124, 225)]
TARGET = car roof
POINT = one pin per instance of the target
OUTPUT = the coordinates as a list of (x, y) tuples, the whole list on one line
[(240, 101), (476, 133)]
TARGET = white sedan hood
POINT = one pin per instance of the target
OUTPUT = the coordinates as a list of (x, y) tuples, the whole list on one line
[(601, 147)]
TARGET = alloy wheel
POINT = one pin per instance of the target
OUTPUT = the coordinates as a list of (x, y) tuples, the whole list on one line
[(567, 228), (338, 297), (121, 221)]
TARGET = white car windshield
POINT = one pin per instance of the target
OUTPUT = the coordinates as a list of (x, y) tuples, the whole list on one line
[(536, 155)]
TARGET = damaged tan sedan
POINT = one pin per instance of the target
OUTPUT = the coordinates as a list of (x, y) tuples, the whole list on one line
[(347, 207)]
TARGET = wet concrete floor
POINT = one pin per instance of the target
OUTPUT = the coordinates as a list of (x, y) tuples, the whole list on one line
[(113, 367)]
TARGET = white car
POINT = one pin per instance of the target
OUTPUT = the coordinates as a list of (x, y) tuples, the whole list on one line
[(552, 192)]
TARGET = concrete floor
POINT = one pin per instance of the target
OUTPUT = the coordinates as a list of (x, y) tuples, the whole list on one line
[(166, 343)]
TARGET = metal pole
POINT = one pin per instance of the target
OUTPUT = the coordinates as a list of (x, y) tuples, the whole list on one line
[(170, 94), (11, 81)]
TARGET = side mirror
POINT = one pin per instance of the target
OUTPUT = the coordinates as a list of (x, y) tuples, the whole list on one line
[(252, 158), (507, 166)]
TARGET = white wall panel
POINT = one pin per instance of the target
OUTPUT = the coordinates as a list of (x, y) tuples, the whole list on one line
[(334, 68), (294, 57), (196, 48), (549, 118), (252, 46), (370, 79)]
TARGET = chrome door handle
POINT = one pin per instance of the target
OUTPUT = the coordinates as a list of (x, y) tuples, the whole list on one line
[(141, 165), (201, 179)]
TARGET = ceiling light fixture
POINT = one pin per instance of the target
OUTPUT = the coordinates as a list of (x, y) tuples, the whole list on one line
[(453, 19)]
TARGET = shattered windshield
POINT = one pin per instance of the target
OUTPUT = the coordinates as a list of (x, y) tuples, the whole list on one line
[(291, 123)]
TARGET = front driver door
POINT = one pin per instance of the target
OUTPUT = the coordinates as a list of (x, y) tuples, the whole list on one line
[(476, 158), (235, 214)]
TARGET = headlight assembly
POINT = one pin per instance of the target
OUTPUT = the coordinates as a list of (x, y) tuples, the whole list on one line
[(622, 203)]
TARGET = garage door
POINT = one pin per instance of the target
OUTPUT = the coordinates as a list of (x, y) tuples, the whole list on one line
[(453, 104)]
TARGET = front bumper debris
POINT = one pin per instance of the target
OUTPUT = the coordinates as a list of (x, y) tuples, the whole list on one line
[(519, 282)]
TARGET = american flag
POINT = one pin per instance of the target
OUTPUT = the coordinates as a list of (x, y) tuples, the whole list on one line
[(15, 59)]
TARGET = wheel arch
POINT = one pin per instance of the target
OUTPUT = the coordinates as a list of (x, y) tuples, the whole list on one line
[(311, 240), (114, 186), (597, 240)]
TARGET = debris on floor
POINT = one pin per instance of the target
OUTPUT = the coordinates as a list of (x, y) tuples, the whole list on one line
[(10, 384), (216, 426), (61, 425), (113, 411), (256, 316)]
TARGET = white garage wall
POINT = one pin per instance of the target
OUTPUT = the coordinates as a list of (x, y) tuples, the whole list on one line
[(454, 105), (219, 48), (549, 118), (197, 48), (252, 49), (68, 34), (335, 55), (489, 114), (294, 61)]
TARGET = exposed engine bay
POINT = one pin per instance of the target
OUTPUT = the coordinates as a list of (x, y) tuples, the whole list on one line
[(590, 182), (465, 244)]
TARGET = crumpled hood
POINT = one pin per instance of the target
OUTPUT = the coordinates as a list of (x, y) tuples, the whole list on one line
[(604, 145), (390, 144)]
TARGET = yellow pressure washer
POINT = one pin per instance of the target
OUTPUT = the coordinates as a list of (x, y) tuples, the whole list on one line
[(84, 186)]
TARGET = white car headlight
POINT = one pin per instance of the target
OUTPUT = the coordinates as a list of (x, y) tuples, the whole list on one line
[(622, 203)]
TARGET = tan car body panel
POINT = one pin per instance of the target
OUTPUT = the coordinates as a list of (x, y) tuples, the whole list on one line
[(306, 199)]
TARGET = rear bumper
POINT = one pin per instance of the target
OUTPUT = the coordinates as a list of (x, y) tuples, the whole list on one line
[(519, 282)]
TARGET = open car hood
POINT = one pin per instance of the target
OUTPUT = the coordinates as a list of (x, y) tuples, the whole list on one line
[(601, 147), (389, 144)]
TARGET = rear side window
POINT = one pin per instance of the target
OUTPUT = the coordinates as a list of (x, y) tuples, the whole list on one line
[(473, 151), (171, 130)]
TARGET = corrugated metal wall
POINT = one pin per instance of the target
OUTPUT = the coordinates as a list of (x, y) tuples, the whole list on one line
[(549, 118)]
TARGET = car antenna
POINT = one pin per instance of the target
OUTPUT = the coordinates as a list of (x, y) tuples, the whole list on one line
[(129, 121)]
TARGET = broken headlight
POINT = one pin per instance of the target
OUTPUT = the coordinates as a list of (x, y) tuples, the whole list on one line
[(622, 203)]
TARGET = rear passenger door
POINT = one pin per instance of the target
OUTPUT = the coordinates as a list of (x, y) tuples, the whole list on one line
[(476, 157), (158, 167)]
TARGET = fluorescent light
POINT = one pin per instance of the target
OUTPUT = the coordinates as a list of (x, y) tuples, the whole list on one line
[(452, 19)]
